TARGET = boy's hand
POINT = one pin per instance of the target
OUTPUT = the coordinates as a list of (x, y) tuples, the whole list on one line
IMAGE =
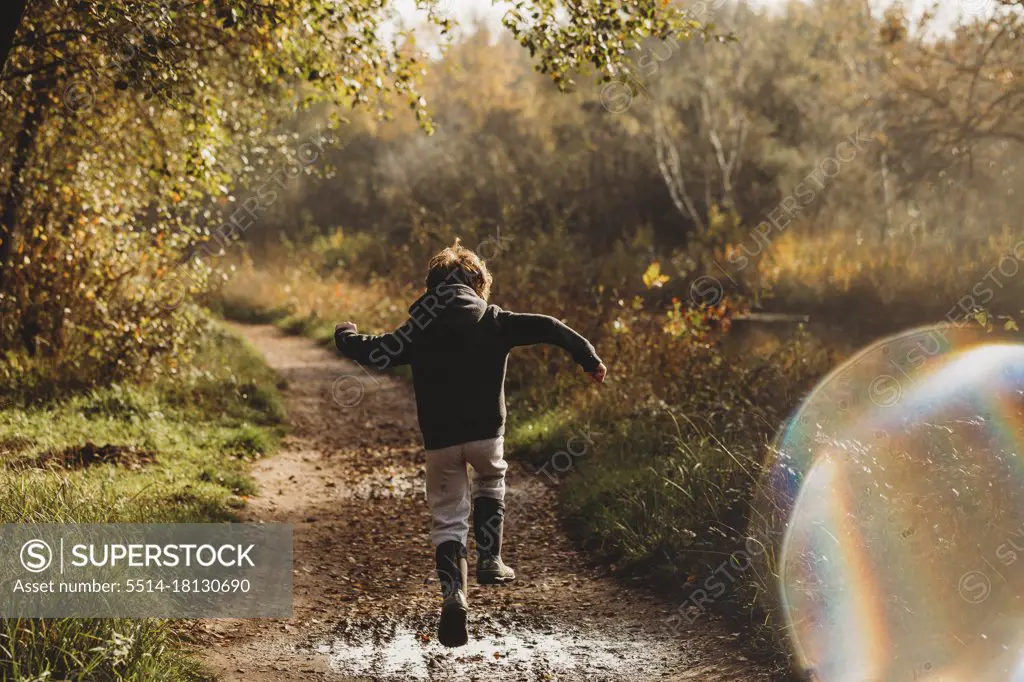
[(599, 374), (345, 326)]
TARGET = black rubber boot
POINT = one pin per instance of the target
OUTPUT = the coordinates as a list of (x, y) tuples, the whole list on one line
[(452, 572), (488, 519)]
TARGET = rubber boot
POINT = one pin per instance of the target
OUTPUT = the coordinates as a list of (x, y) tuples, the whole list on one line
[(488, 519), (451, 572)]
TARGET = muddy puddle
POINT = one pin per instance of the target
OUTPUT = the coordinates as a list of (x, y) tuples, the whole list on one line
[(520, 652)]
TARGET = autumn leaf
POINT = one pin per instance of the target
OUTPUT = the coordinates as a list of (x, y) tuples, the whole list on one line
[(652, 276)]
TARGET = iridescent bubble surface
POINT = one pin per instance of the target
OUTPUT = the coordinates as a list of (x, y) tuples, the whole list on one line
[(895, 508)]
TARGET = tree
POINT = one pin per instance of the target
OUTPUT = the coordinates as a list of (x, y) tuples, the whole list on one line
[(127, 126), (953, 101)]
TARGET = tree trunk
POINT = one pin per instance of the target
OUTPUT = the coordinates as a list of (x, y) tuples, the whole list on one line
[(10, 204), (886, 198)]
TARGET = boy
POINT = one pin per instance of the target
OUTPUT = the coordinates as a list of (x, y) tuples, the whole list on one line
[(458, 347)]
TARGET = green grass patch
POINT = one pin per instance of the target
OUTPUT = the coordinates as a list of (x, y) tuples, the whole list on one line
[(310, 326), (663, 496), (100, 650), (246, 310), (534, 434), (173, 450)]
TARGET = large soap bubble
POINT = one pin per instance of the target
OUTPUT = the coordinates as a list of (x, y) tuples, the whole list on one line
[(895, 508)]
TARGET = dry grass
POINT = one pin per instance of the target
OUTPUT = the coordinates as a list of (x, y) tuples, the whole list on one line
[(920, 278)]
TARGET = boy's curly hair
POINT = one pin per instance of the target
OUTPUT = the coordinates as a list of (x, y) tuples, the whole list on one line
[(457, 264)]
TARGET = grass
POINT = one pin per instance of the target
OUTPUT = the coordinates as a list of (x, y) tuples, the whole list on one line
[(182, 447), (901, 284), (658, 495), (93, 649)]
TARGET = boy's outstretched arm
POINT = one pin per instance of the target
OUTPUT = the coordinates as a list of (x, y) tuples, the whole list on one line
[(524, 329), (383, 352)]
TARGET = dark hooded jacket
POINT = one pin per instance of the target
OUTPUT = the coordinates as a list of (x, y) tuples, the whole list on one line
[(458, 347)]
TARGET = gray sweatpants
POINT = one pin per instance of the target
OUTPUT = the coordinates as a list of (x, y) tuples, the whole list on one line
[(448, 489)]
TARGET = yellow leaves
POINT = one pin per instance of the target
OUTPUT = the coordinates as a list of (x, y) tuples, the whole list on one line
[(652, 277), (987, 321)]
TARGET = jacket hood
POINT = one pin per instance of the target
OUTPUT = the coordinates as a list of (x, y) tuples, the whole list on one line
[(446, 309)]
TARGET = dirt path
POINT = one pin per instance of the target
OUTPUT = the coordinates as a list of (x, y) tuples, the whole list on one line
[(350, 479)]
